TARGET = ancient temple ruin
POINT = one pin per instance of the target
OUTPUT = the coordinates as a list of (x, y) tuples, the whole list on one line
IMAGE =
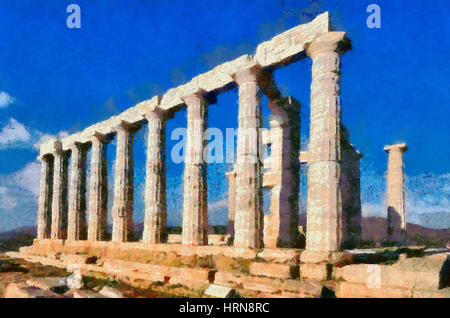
[(76, 230), (332, 160)]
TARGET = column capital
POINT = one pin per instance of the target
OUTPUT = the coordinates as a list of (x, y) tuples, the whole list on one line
[(76, 145), (153, 109), (400, 147), (44, 157), (199, 95), (154, 113), (97, 136), (247, 75), (57, 147), (328, 42), (124, 125)]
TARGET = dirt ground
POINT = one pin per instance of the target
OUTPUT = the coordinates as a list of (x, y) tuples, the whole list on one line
[(17, 270)]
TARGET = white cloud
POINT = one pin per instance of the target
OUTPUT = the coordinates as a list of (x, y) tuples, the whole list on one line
[(13, 133), (18, 197), (223, 203), (28, 177), (44, 137), (5, 99)]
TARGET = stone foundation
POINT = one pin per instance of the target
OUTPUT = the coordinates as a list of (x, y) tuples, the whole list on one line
[(268, 273)]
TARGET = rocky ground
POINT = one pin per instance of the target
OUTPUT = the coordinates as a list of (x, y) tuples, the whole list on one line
[(19, 278)]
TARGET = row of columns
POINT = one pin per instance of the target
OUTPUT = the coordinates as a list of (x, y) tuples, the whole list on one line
[(68, 218), (324, 206)]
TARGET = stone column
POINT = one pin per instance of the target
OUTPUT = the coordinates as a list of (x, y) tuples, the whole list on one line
[(59, 201), (249, 213), (396, 193), (45, 198), (350, 188), (122, 210), (231, 201), (195, 206), (324, 210), (282, 222), (98, 190), (77, 194), (155, 179)]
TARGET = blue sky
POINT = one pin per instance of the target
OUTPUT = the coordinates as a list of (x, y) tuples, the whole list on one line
[(56, 81)]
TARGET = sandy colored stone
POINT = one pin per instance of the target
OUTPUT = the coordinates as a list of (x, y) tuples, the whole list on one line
[(270, 270), (195, 206), (98, 190), (248, 216), (263, 284), (45, 198), (396, 193), (123, 185), (314, 272)]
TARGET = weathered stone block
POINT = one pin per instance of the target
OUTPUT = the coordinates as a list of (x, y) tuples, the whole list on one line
[(315, 272), (270, 269), (46, 283), (21, 290), (111, 292), (263, 284), (219, 291), (227, 279)]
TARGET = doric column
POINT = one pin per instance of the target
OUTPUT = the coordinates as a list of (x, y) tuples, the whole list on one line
[(195, 206), (45, 198), (350, 188), (396, 193), (282, 222), (59, 201), (77, 194), (324, 210), (98, 190), (231, 201), (155, 179), (122, 211), (248, 213)]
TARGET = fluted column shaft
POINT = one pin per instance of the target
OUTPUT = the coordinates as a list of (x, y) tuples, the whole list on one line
[(324, 210), (77, 194), (396, 193), (282, 222), (59, 200), (231, 201), (195, 213), (45, 198), (98, 190), (248, 206), (123, 186), (155, 180)]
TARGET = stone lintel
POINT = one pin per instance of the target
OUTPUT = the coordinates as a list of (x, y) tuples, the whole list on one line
[(285, 46), (402, 147)]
